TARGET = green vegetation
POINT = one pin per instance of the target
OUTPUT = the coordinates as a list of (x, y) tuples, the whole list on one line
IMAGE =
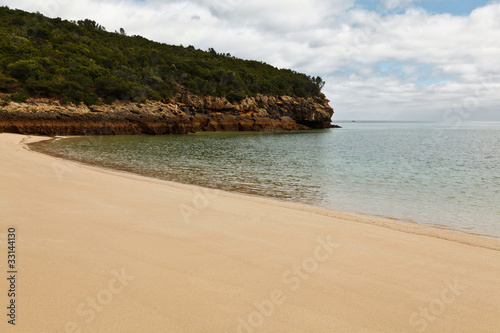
[(81, 62)]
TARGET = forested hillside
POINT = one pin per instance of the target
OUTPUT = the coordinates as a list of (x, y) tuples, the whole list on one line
[(82, 62)]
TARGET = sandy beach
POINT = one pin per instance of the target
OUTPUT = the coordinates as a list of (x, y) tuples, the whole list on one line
[(105, 251)]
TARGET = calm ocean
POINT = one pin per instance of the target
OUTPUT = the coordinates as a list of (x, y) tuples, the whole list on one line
[(438, 174)]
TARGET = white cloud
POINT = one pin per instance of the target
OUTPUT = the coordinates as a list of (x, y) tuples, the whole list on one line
[(435, 61), (393, 4)]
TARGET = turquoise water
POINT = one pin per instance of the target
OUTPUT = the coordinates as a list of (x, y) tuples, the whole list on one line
[(431, 173)]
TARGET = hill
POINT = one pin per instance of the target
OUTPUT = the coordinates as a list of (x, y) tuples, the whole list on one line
[(79, 63)]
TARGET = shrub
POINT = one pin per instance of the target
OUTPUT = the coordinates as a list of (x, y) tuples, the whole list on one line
[(7, 84), (23, 69), (81, 62), (20, 96)]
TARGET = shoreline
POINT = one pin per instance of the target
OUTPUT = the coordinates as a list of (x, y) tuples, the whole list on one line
[(114, 251), (395, 223)]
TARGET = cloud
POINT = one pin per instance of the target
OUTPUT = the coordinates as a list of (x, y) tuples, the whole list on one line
[(385, 59)]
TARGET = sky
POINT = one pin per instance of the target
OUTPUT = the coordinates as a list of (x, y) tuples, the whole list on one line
[(436, 60)]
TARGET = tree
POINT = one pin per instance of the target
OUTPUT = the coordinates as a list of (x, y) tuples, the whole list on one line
[(23, 69), (319, 82), (80, 61), (6, 84), (91, 25)]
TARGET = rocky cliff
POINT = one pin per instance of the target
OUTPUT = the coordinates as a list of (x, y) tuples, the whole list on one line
[(184, 113)]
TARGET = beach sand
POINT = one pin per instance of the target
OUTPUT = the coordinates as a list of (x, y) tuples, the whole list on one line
[(104, 251)]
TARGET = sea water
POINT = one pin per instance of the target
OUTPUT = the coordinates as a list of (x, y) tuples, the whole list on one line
[(437, 174)]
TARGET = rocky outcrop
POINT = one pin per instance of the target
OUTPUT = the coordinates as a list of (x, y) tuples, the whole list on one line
[(184, 113)]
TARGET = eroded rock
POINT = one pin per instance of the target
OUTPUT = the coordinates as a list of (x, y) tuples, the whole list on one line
[(184, 113)]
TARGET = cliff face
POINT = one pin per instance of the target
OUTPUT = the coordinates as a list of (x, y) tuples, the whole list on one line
[(184, 113)]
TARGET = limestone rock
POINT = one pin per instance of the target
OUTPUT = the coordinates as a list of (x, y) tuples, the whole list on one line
[(184, 113)]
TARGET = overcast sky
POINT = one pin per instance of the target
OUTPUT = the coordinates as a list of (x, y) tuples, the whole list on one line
[(381, 59)]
